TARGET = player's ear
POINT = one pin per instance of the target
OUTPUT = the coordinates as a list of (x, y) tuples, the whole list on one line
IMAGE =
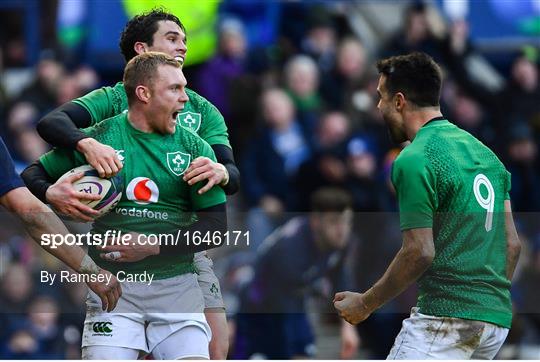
[(140, 47), (399, 101), (143, 93)]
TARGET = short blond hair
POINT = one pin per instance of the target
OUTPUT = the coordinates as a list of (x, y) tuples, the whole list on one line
[(142, 69)]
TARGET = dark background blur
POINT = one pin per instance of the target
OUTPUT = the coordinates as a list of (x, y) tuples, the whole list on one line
[(302, 66)]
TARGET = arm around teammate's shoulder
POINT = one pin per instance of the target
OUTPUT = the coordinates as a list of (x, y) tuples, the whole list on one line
[(61, 126)]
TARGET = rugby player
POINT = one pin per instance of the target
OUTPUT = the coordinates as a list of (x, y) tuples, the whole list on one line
[(160, 31), (459, 238), (165, 318)]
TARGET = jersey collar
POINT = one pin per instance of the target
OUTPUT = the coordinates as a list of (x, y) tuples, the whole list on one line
[(440, 118)]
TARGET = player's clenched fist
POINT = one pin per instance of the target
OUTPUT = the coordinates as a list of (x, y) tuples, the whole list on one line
[(109, 292), (351, 307)]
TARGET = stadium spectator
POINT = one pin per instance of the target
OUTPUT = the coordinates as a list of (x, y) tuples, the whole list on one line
[(419, 32), (363, 181), (523, 90), (271, 163), (343, 87), (17, 289), (302, 84), (22, 135), (522, 161), (43, 323), (43, 90), (215, 79), (327, 166), (470, 116), (320, 39), (292, 264)]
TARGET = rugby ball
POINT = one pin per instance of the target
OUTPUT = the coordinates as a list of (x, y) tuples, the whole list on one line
[(110, 189)]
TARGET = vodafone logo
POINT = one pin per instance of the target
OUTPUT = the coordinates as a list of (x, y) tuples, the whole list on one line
[(142, 190)]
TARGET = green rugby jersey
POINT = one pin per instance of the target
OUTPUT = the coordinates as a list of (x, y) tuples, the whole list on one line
[(449, 181), (155, 199), (199, 114)]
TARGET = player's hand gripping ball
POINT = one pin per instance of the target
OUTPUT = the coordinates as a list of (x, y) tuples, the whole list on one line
[(110, 189)]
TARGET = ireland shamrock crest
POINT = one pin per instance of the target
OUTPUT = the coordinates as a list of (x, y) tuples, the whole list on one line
[(190, 120), (178, 162)]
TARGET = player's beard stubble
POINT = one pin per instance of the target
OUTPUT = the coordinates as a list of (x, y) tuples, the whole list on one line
[(395, 129)]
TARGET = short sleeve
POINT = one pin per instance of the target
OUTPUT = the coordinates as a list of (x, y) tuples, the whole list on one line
[(9, 179), (415, 188), (213, 129), (104, 103), (215, 195)]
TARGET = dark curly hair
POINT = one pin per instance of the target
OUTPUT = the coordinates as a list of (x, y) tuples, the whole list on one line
[(416, 75), (142, 28), (330, 199)]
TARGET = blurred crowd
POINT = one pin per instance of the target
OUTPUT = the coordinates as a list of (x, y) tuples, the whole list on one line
[(299, 98)]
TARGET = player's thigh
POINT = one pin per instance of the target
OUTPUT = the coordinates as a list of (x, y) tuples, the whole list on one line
[(208, 281), (189, 342), (430, 337), (108, 352), (492, 341)]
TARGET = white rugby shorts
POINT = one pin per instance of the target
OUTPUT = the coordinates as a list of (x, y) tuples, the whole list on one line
[(146, 314), (429, 337)]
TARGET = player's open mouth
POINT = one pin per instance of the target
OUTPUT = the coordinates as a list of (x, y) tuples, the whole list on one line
[(176, 113)]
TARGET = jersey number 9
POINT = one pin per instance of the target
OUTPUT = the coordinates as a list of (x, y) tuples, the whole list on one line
[(488, 202)]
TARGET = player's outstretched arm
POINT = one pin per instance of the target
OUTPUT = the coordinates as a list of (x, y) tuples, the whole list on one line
[(513, 244), (223, 172), (61, 128), (40, 220), (412, 260)]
